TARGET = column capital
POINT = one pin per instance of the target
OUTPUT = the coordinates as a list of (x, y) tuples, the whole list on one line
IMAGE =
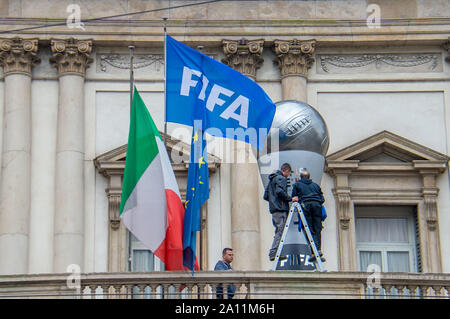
[(71, 56), (243, 55), (294, 57), (18, 55)]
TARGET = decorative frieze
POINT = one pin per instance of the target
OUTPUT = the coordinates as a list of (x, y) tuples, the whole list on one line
[(122, 62), (71, 56), (387, 63), (18, 55), (243, 55), (294, 57)]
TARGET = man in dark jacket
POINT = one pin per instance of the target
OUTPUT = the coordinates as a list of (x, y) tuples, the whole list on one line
[(310, 195), (225, 264), (276, 194)]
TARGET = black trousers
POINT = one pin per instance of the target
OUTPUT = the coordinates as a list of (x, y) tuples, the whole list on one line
[(313, 215)]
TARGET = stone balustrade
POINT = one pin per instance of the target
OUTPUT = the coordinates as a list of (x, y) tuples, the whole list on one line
[(249, 285)]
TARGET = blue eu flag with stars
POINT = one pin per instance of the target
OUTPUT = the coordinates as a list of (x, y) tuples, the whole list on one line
[(196, 194)]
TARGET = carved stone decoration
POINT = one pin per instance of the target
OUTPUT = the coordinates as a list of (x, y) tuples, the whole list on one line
[(18, 55), (430, 192), (431, 208), (430, 203), (344, 205), (114, 195), (121, 61), (447, 47), (243, 55), (71, 56), (294, 57), (352, 61)]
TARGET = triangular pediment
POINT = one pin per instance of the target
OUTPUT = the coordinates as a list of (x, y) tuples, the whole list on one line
[(115, 159), (386, 147)]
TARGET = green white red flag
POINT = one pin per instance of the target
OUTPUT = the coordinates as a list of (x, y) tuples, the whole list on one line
[(151, 206)]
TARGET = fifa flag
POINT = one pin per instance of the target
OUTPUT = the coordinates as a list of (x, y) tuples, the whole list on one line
[(197, 193), (230, 103), (151, 205)]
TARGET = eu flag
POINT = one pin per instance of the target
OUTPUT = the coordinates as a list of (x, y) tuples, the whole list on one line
[(196, 194), (234, 106)]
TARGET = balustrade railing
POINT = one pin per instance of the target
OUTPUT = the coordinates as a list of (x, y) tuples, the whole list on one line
[(213, 285)]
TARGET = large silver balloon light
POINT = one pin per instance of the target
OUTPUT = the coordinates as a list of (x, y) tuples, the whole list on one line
[(298, 136)]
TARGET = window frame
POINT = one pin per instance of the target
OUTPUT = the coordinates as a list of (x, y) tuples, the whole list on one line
[(136, 245), (383, 212)]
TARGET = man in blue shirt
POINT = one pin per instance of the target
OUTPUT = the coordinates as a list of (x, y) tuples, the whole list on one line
[(224, 265)]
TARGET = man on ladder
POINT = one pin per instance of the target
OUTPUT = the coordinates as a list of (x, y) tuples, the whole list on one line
[(310, 196), (277, 196)]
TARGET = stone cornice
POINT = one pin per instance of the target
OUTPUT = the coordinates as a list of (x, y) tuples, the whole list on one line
[(243, 55), (419, 31), (71, 56), (18, 55), (294, 57), (430, 167)]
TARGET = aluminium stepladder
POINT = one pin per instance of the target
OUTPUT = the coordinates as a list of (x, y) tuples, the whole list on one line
[(307, 233)]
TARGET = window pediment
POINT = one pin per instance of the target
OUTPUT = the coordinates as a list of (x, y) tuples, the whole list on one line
[(387, 151), (387, 169), (113, 162)]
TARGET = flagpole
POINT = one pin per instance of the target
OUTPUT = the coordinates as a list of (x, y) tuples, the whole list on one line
[(131, 47), (165, 74)]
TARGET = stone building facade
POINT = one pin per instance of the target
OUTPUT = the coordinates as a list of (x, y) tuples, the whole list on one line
[(382, 89)]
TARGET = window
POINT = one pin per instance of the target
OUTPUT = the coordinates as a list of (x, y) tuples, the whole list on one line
[(385, 235), (143, 259)]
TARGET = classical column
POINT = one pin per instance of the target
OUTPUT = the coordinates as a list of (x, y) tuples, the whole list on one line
[(294, 58), (245, 57), (17, 56), (71, 58), (44, 113)]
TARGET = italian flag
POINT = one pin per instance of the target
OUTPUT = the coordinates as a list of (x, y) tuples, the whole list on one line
[(151, 205)]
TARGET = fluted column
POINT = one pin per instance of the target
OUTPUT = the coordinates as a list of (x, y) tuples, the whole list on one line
[(71, 58), (17, 56), (294, 58), (245, 57)]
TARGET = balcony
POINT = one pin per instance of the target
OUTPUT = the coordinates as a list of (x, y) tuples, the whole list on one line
[(249, 285)]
